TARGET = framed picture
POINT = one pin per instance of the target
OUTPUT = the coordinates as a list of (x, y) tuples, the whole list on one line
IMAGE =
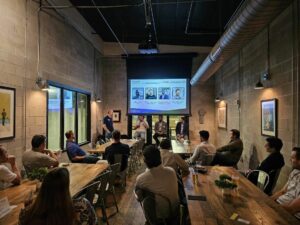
[(269, 117), (117, 116), (222, 116), (7, 112)]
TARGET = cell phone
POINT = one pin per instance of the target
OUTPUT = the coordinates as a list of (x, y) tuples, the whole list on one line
[(197, 197)]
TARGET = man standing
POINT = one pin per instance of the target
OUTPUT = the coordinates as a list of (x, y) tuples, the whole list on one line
[(181, 129), (108, 126), (8, 177), (38, 156), (159, 180), (203, 149), (289, 196), (141, 127), (117, 148), (230, 154), (160, 129)]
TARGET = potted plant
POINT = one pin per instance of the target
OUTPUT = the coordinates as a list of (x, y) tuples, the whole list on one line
[(38, 174), (226, 184)]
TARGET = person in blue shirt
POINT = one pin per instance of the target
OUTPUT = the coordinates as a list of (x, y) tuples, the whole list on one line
[(108, 126), (75, 153)]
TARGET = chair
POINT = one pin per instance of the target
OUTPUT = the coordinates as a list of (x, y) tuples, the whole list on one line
[(88, 192), (207, 159), (274, 174), (121, 174), (148, 201), (115, 168), (262, 178)]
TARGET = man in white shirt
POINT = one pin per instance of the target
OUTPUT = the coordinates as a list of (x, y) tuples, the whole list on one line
[(289, 196), (171, 159), (141, 128), (203, 150), (8, 177), (159, 180)]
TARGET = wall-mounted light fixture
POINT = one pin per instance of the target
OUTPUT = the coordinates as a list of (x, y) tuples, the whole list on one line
[(259, 85), (42, 84)]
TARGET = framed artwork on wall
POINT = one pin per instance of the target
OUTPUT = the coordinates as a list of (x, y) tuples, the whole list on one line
[(117, 116), (222, 116), (269, 117), (7, 112)]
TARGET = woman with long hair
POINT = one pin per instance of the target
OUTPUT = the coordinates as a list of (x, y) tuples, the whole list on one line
[(54, 205)]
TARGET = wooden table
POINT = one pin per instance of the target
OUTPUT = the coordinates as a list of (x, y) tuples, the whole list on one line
[(101, 148), (181, 148), (80, 176), (249, 202)]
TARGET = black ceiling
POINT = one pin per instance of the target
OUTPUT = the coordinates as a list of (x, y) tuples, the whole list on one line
[(207, 21)]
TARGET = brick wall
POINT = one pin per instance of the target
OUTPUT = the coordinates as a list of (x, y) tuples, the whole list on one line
[(237, 78), (66, 57)]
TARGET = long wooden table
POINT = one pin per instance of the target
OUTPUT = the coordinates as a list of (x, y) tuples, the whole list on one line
[(80, 176), (249, 202), (101, 148), (181, 148)]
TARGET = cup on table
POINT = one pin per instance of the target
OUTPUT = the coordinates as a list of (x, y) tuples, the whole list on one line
[(235, 179)]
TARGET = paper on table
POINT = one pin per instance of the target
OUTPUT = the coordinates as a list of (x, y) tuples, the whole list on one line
[(5, 208)]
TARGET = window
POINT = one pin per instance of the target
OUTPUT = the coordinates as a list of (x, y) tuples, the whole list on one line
[(67, 110)]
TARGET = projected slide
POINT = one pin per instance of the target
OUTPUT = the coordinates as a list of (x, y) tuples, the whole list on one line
[(158, 96)]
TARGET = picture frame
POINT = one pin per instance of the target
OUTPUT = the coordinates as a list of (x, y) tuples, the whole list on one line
[(116, 116), (7, 112), (269, 117), (222, 116)]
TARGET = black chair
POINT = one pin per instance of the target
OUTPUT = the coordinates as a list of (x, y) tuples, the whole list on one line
[(121, 174), (274, 174), (115, 168)]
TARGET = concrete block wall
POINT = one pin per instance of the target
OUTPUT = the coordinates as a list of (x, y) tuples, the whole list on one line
[(237, 78), (66, 57)]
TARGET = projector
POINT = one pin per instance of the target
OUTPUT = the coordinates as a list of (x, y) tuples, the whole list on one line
[(148, 48)]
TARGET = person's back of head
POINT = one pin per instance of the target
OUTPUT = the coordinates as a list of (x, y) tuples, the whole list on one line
[(204, 134), (37, 141), (53, 203), (69, 134), (152, 156), (236, 133), (275, 143), (166, 144), (3, 154), (116, 135)]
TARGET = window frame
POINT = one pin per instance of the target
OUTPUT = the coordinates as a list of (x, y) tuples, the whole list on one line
[(76, 91)]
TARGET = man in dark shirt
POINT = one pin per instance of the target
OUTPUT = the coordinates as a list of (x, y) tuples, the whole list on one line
[(182, 129), (75, 153), (271, 164), (108, 126), (117, 148)]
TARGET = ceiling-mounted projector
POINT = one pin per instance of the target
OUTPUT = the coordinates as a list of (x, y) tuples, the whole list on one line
[(148, 48)]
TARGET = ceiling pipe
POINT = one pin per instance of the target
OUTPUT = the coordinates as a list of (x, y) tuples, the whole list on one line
[(251, 18)]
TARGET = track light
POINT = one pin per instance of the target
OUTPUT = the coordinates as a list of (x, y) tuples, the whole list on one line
[(42, 84), (259, 85)]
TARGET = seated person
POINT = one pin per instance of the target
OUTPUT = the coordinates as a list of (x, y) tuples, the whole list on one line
[(54, 204), (182, 130), (230, 154), (38, 156), (8, 177), (202, 150), (160, 129), (141, 127), (274, 161), (289, 196), (117, 148), (172, 160), (75, 153), (159, 180)]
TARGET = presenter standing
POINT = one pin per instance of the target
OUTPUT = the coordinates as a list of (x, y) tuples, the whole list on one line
[(108, 126), (141, 128)]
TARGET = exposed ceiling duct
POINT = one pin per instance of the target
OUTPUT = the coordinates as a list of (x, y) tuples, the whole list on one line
[(250, 19)]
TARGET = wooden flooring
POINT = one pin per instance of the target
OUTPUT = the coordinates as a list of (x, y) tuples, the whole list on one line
[(130, 211)]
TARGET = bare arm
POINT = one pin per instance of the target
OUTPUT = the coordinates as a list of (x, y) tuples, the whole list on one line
[(105, 128), (293, 206), (78, 158), (279, 193), (15, 170)]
